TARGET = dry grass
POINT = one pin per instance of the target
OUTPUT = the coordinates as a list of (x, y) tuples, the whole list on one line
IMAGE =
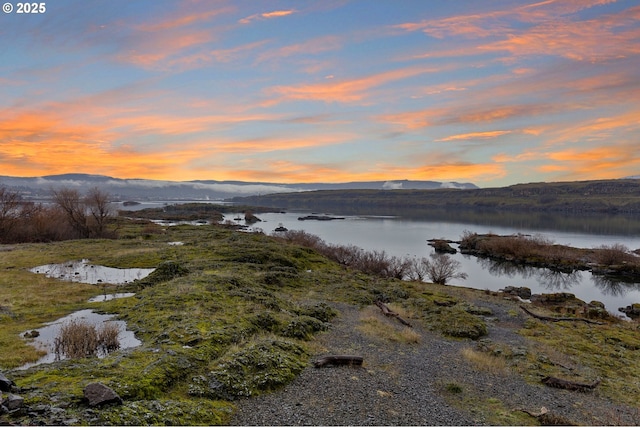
[(79, 339), (374, 324), (485, 361)]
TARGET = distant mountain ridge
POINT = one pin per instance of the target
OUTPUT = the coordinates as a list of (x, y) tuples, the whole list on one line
[(146, 189), (610, 196)]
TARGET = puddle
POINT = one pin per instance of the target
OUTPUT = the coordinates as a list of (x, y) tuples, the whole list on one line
[(109, 297), (83, 272), (48, 334), (172, 223)]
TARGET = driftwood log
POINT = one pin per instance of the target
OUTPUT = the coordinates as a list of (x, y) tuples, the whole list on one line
[(560, 319), (387, 312), (338, 360), (569, 385)]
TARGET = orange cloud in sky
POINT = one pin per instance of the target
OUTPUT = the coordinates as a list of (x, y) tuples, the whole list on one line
[(612, 161), (266, 15), (308, 47), (459, 170), (476, 135), (346, 91)]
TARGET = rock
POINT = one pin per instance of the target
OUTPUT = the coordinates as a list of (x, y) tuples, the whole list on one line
[(632, 310), (32, 334), (522, 292), (98, 394), (5, 383), (13, 402), (442, 246)]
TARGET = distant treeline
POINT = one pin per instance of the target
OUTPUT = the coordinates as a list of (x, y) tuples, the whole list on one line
[(71, 216), (605, 196)]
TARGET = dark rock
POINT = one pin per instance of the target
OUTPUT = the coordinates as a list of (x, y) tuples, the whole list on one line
[(13, 402), (632, 310), (5, 383), (98, 394), (442, 246)]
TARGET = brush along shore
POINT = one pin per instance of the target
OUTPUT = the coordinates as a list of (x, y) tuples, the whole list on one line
[(614, 260), (228, 316)]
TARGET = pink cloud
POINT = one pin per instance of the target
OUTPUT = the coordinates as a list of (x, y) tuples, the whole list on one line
[(266, 15)]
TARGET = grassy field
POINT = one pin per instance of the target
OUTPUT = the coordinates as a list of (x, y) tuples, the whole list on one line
[(230, 314)]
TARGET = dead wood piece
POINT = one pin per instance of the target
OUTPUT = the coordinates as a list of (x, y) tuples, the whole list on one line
[(569, 385), (339, 360), (387, 312), (560, 319)]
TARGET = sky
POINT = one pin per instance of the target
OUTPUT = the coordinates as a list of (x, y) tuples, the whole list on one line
[(493, 92)]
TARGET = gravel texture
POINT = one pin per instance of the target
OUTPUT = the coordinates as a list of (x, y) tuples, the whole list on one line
[(411, 384)]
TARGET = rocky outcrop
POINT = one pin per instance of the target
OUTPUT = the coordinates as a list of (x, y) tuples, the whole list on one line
[(5, 383), (98, 394), (442, 246), (632, 311), (521, 292)]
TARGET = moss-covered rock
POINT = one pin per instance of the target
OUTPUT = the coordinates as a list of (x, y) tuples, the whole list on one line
[(303, 327), (455, 322), (166, 271), (262, 366)]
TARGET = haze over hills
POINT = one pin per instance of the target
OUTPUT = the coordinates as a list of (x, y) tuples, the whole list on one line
[(145, 189)]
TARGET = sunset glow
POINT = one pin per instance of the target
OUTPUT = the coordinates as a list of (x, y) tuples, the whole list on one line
[(494, 93)]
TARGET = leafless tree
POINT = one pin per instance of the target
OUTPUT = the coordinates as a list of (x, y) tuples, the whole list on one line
[(9, 211), (88, 215), (98, 208), (441, 268), (71, 203)]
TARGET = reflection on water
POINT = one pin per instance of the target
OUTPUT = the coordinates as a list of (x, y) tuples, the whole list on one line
[(46, 335), (83, 272), (618, 288), (109, 297), (555, 280), (551, 280)]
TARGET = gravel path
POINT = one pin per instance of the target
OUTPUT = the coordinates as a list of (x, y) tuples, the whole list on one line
[(406, 384)]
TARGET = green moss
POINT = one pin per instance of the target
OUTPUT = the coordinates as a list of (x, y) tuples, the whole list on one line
[(460, 324), (166, 271), (261, 366), (303, 327), (166, 412)]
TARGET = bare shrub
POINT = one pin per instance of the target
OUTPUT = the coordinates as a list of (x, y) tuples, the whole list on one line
[(441, 268), (417, 268), (518, 246), (347, 255), (78, 339), (302, 238), (613, 254), (108, 337)]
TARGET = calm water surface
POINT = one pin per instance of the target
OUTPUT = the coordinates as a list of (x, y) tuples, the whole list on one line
[(408, 237)]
